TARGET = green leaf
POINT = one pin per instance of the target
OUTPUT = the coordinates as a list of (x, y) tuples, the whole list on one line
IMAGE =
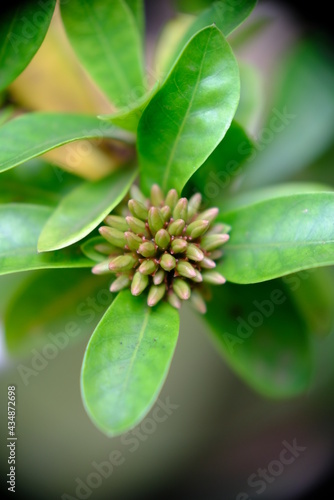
[(190, 114), (226, 15), (20, 227), (128, 118), (262, 337), (56, 306), (88, 248), (137, 9), (279, 236), (126, 361), (300, 126), (106, 37), (82, 210), (216, 177), (41, 132), (23, 27)]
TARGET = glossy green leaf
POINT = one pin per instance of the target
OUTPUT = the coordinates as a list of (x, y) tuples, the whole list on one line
[(41, 132), (226, 15), (106, 37), (20, 227), (56, 306), (279, 236), (23, 26), (128, 118), (217, 176), (137, 9), (126, 361), (190, 114), (82, 210), (300, 125), (262, 337)]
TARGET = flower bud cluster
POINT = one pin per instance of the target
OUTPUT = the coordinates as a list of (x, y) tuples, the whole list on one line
[(165, 246)]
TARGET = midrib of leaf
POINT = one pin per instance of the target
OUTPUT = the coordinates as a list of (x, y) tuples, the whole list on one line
[(171, 157), (112, 60), (8, 32)]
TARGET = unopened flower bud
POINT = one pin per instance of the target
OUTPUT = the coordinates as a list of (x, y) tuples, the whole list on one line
[(139, 283), (117, 222), (197, 228), (181, 209), (121, 282), (193, 252), (166, 212), (162, 238), (209, 214), (213, 277), (106, 249), (155, 220), (171, 198), (102, 267), (136, 194), (155, 294), (174, 300), (114, 236), (197, 302), (157, 196), (185, 269), (159, 277), (181, 288), (178, 245), (147, 249), (213, 241), (137, 226), (207, 263), (148, 266), (138, 209), (122, 263), (194, 204), (175, 228), (167, 262), (132, 240)]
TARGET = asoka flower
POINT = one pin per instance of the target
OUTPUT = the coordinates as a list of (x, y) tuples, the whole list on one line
[(163, 246)]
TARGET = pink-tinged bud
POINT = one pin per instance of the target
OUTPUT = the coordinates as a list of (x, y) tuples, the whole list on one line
[(197, 228), (197, 302), (194, 253), (136, 194), (213, 241), (213, 277), (174, 300), (106, 249), (172, 198), (132, 240), (137, 226), (155, 294), (147, 249), (207, 263), (117, 222), (209, 214), (139, 283), (166, 212), (185, 269), (121, 282), (194, 204), (101, 267), (138, 209), (216, 229), (155, 220), (114, 236), (175, 228), (167, 262), (162, 239), (159, 277), (216, 254), (178, 245), (181, 288), (198, 278), (122, 263), (157, 196), (181, 209), (148, 266)]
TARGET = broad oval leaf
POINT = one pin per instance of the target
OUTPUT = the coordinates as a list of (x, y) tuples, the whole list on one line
[(190, 114), (262, 336), (33, 134), (82, 210), (56, 307), (20, 227), (106, 37), (126, 361), (279, 236), (23, 27)]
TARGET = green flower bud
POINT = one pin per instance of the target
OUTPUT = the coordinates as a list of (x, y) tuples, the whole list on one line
[(117, 222), (114, 236), (216, 229), (148, 266), (166, 212), (102, 267), (197, 302), (155, 220), (159, 277), (172, 198), (178, 245), (181, 288), (198, 278), (155, 294), (121, 282), (213, 277), (147, 249), (181, 209), (175, 228), (216, 254), (139, 283), (197, 228), (106, 249), (132, 240), (138, 209), (207, 263), (122, 263), (137, 226), (213, 241), (136, 194), (194, 204), (162, 238), (157, 196), (167, 262), (185, 269), (194, 253), (174, 300), (209, 214)]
